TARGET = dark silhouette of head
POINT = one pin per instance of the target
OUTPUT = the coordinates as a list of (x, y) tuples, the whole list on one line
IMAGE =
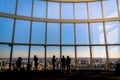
[(67, 56), (34, 55), (53, 56)]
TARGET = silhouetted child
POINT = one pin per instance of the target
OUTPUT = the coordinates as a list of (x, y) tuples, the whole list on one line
[(68, 60), (35, 62), (18, 63), (63, 63), (53, 62)]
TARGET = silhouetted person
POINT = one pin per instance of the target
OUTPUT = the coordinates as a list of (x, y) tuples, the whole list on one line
[(117, 68), (53, 62), (63, 63), (68, 60), (35, 62), (18, 63)]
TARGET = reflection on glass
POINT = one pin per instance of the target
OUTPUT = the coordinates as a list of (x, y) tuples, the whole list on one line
[(53, 10), (4, 57), (95, 10), (52, 50), (24, 7), (22, 31), (39, 9), (69, 13), (110, 8), (113, 32), (69, 51), (97, 33), (82, 30), (38, 33), (20, 51), (99, 57), (80, 11), (39, 51), (53, 33), (67, 33), (7, 6), (6, 28), (114, 56), (83, 57)]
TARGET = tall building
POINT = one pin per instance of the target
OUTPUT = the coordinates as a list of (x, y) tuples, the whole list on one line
[(88, 31)]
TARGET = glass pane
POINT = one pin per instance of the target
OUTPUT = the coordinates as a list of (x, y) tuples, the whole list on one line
[(114, 56), (20, 51), (4, 57), (38, 32), (54, 10), (83, 57), (69, 51), (7, 6), (95, 10), (82, 30), (67, 33), (39, 51), (22, 31), (97, 33), (53, 33), (80, 11), (99, 57), (24, 7), (113, 32), (39, 9), (53, 50), (6, 28), (110, 8), (69, 13)]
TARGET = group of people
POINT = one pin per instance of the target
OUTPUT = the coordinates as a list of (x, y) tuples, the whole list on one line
[(19, 62), (64, 63)]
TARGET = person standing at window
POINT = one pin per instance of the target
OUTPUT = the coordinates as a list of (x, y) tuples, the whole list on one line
[(53, 62), (18, 63), (63, 63), (35, 62), (68, 61)]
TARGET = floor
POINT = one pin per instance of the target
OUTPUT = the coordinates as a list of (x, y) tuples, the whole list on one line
[(60, 75)]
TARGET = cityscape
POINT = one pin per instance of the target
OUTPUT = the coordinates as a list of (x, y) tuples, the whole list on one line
[(82, 63)]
